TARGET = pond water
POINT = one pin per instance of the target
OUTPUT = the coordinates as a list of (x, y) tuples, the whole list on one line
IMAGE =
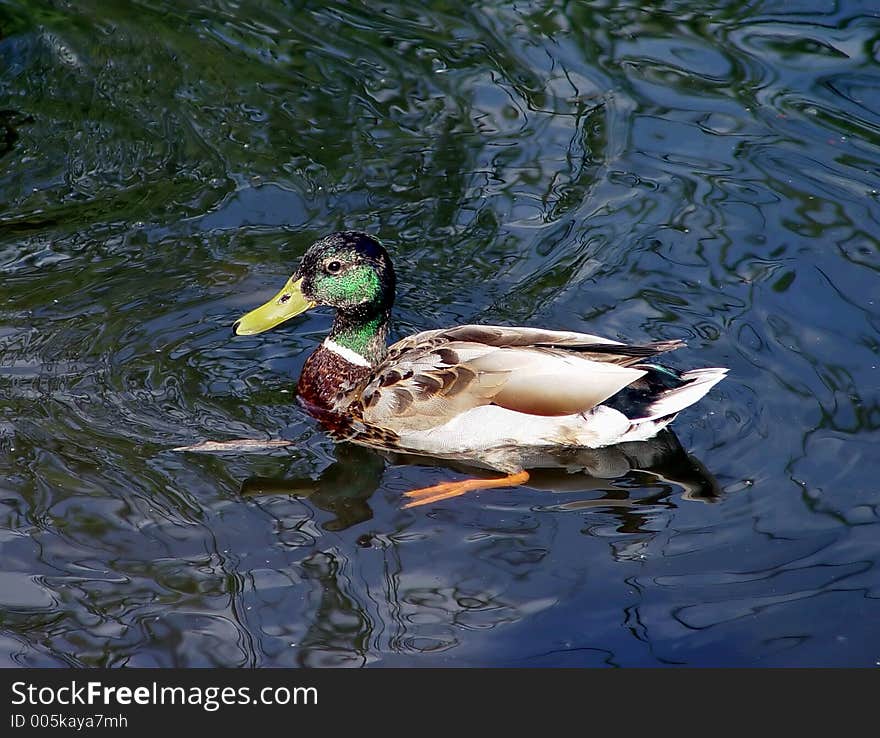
[(645, 171)]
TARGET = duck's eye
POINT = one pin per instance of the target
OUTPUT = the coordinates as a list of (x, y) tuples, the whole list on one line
[(333, 267)]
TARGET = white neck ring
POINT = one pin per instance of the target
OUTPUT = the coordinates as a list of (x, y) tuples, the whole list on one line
[(352, 357)]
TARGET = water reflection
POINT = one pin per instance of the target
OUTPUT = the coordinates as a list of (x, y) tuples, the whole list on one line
[(343, 488), (616, 472), (387, 595), (10, 120)]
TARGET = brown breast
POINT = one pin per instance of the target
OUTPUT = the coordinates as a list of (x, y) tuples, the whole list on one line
[(329, 388), (327, 378)]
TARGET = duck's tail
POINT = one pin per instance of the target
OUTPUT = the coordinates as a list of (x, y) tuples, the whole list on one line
[(652, 407), (694, 385)]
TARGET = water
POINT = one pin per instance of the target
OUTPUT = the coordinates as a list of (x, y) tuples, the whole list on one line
[(687, 171)]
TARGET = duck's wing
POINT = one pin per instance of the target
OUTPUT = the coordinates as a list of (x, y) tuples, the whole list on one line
[(430, 378), (597, 348)]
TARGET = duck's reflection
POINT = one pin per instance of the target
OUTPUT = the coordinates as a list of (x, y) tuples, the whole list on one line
[(342, 488), (616, 473)]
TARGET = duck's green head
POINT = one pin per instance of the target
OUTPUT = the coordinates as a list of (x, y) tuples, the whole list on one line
[(349, 271)]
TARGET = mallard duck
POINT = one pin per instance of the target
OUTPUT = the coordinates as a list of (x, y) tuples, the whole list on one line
[(498, 397)]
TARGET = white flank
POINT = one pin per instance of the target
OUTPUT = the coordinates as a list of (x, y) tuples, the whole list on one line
[(645, 429), (352, 357), (489, 426)]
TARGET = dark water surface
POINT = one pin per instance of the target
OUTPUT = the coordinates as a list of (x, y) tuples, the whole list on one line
[(641, 170)]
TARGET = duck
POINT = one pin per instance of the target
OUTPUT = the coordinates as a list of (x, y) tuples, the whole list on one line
[(501, 398)]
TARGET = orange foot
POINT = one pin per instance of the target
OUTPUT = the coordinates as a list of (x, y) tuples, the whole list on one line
[(426, 495)]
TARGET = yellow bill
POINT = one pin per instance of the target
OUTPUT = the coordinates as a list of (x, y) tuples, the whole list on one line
[(285, 305)]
